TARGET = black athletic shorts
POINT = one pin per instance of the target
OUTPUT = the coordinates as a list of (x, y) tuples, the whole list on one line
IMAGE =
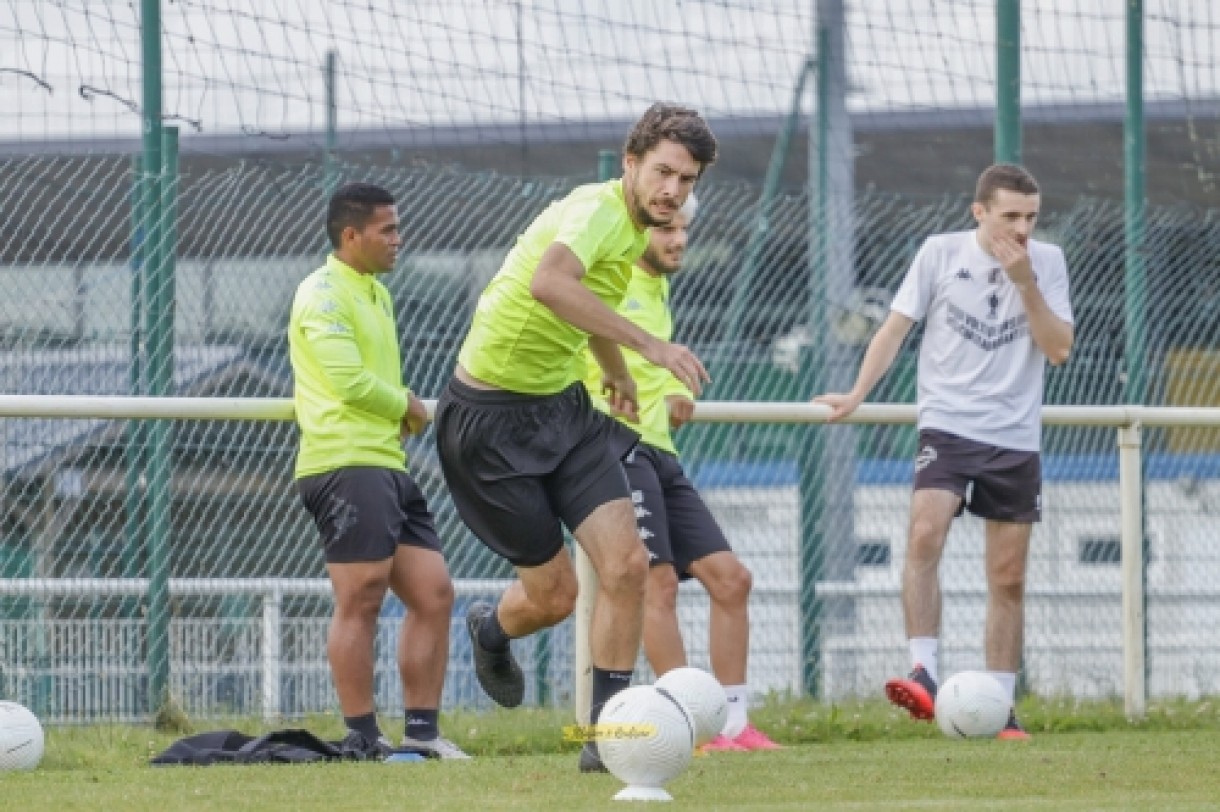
[(995, 483), (674, 522), (517, 465), (363, 514)]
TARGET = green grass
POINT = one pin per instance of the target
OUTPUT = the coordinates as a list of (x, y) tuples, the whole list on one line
[(856, 756)]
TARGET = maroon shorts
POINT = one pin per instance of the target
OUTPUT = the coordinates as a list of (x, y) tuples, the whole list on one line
[(994, 483)]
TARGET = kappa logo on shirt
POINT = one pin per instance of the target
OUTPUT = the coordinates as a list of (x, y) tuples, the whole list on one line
[(926, 456), (964, 274)]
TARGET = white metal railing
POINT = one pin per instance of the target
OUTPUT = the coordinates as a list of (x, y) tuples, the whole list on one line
[(1128, 420), (272, 592)]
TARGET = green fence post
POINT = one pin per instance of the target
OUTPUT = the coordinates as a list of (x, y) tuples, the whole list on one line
[(160, 330), (811, 549), (158, 603), (330, 178), (1008, 82), (133, 500)]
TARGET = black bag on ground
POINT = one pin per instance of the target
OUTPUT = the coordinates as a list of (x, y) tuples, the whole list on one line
[(232, 747)]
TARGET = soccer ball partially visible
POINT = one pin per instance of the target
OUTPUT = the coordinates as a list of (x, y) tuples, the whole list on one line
[(21, 740), (703, 696), (970, 704), (646, 739)]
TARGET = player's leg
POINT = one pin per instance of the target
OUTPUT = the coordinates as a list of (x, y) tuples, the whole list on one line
[(932, 511), (359, 590), (1008, 496), (354, 510), (420, 579), (663, 645), (1007, 555), (944, 466), (610, 538), (701, 550), (496, 449), (590, 493)]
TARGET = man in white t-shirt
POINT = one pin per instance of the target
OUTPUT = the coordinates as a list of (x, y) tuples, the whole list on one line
[(995, 305)]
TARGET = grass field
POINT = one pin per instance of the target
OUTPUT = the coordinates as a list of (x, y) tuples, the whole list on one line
[(863, 756)]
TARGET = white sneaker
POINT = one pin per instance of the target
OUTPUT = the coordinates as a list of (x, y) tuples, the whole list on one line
[(439, 747)]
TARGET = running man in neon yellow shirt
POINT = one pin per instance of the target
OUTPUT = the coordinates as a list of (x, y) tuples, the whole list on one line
[(376, 530), (681, 535), (524, 451)]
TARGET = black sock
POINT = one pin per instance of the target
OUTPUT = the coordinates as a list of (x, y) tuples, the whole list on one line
[(492, 636), (606, 683), (421, 724), (366, 725)]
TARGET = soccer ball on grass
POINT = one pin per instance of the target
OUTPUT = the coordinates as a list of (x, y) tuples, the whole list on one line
[(645, 739), (972, 704), (21, 740), (703, 696)]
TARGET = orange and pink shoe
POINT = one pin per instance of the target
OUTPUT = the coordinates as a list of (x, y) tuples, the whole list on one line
[(749, 739), (722, 744), (754, 739)]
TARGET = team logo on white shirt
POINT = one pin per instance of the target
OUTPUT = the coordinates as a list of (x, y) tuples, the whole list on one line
[(993, 306), (993, 276)]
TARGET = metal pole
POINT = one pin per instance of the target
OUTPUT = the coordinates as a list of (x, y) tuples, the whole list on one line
[(1130, 474), (272, 604), (1008, 82)]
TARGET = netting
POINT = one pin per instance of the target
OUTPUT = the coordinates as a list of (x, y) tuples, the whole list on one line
[(477, 115)]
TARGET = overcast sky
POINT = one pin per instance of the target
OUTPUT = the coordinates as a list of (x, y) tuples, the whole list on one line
[(71, 68)]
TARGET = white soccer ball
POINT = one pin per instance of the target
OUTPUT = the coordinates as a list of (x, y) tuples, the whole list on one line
[(970, 704), (703, 696), (21, 740), (646, 738)]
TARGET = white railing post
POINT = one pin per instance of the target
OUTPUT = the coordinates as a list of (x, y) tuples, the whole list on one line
[(1131, 486), (582, 659), (272, 600)]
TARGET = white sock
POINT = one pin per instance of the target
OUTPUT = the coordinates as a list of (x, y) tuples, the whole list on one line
[(924, 652), (1008, 681), (737, 721)]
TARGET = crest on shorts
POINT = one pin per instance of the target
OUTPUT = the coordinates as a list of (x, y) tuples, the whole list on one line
[(926, 456)]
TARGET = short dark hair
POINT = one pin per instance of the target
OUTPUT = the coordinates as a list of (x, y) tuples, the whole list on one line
[(672, 122), (1010, 177), (352, 204)]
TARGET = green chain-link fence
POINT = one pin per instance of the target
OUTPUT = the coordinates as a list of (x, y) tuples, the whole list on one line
[(477, 115)]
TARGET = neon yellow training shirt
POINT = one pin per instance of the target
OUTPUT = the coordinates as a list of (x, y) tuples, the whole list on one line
[(519, 344), (347, 380), (646, 305)]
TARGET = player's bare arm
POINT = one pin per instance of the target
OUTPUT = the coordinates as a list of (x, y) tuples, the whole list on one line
[(617, 384), (681, 409), (556, 284), (878, 358), (415, 418), (1053, 335)]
